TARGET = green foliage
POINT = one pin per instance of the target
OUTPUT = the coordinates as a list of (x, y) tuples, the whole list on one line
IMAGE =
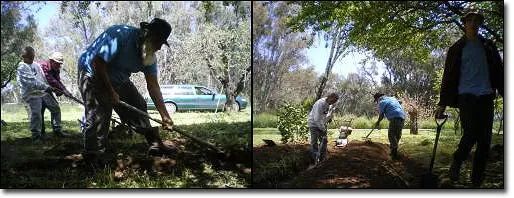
[(277, 51), (362, 123), (17, 33), (265, 120), (292, 123), (308, 103), (417, 27)]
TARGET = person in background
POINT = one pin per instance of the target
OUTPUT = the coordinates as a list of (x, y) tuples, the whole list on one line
[(392, 109), (319, 116), (34, 91), (51, 69)]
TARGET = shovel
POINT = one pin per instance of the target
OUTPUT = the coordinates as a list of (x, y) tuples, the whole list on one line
[(430, 180), (367, 139)]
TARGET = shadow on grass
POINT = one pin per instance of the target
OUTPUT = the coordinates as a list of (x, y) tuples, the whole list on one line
[(57, 163)]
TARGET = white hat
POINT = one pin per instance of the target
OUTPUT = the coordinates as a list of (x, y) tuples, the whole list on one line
[(57, 57)]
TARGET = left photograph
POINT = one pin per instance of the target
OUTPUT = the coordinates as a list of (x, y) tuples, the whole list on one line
[(102, 94)]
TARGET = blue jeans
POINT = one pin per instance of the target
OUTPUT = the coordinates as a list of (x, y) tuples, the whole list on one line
[(318, 143)]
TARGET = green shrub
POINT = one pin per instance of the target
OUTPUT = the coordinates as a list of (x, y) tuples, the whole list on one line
[(336, 122), (427, 124), (265, 120), (307, 104), (362, 123), (292, 123)]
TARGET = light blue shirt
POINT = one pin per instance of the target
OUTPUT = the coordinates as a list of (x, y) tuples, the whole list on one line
[(119, 46), (474, 73), (390, 107)]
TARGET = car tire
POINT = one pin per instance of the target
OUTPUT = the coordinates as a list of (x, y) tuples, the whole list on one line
[(171, 108)]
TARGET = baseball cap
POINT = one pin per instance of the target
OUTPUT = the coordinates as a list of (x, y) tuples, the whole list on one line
[(57, 57), (160, 28)]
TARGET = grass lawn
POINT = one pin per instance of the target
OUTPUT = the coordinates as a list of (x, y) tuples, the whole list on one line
[(51, 164)]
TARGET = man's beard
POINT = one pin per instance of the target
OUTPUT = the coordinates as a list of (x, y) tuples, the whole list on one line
[(148, 53)]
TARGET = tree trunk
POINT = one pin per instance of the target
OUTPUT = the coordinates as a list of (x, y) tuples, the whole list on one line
[(414, 125), (229, 105), (336, 50)]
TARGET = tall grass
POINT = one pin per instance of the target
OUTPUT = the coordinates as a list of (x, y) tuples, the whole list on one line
[(268, 120), (265, 120)]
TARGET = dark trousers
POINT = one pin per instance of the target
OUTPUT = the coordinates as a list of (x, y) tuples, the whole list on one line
[(99, 111), (395, 132), (476, 115), (318, 143)]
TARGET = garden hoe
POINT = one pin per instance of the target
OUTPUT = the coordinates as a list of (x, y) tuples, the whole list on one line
[(430, 180)]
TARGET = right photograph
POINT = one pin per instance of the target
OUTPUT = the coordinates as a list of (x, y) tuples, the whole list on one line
[(378, 95)]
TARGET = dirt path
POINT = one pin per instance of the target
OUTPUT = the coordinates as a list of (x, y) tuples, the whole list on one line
[(360, 165)]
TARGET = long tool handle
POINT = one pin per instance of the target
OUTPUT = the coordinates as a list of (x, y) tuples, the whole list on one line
[(370, 133), (74, 99), (438, 133), (198, 140)]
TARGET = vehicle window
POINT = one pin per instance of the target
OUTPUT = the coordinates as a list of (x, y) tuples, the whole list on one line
[(183, 92), (202, 91), (167, 91), (177, 90)]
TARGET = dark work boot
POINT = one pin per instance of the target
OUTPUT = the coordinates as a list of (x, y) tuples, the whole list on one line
[(455, 170), (157, 147), (61, 134)]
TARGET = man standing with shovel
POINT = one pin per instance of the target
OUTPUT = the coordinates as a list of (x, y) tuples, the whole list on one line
[(104, 71), (473, 72), (391, 108), (320, 114)]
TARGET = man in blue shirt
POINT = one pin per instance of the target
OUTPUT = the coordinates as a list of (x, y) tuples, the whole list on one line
[(473, 75), (391, 108), (104, 71)]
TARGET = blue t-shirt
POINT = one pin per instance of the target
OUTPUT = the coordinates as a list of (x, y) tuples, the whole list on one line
[(474, 73), (120, 47), (390, 107)]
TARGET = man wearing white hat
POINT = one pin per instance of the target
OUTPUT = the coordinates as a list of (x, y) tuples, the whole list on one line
[(51, 70)]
